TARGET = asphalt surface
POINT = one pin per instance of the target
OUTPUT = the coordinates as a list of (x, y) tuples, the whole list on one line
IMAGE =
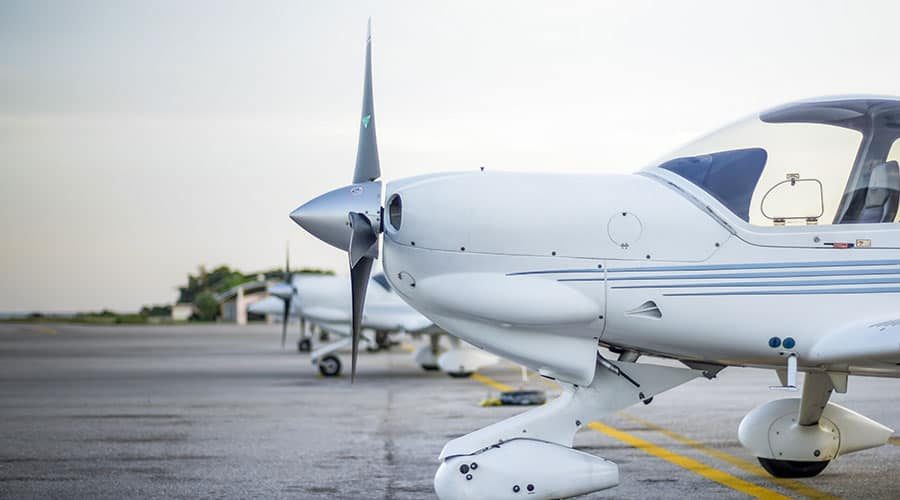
[(224, 412)]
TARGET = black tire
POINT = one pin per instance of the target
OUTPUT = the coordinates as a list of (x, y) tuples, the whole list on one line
[(330, 366), (304, 345), (382, 341), (460, 374), (791, 468), (430, 368)]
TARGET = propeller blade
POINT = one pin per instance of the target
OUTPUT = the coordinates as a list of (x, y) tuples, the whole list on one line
[(367, 164), (284, 322), (288, 291), (363, 252), (359, 282), (287, 262)]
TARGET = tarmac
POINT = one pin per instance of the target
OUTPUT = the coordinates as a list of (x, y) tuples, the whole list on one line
[(222, 411)]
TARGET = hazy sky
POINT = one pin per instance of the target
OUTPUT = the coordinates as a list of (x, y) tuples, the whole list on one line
[(141, 139)]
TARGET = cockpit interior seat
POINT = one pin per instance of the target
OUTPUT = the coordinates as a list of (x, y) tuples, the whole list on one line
[(879, 201), (883, 194)]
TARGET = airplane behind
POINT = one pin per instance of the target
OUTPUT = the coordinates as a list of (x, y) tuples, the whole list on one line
[(324, 302)]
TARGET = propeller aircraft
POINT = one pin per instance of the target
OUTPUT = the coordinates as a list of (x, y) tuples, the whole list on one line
[(323, 300), (771, 243)]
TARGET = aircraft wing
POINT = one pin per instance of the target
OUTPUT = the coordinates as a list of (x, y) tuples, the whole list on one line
[(270, 305), (395, 318), (326, 314), (339, 329), (863, 341), (377, 316)]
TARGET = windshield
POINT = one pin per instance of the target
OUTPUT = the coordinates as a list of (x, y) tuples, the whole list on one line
[(814, 162)]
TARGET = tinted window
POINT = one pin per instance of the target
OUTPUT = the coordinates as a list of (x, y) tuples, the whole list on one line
[(729, 176)]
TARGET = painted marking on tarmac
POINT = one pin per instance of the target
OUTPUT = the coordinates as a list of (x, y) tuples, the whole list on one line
[(690, 464), (46, 330), (894, 440), (490, 382), (748, 467), (682, 461)]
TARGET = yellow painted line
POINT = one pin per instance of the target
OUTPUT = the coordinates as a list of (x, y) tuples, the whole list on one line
[(682, 461), (748, 467), (490, 382), (407, 347), (690, 464), (46, 330), (895, 440)]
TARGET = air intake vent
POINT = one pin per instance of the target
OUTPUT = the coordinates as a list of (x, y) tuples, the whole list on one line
[(395, 211), (648, 309)]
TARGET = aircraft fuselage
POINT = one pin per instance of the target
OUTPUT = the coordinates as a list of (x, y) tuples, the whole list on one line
[(635, 261)]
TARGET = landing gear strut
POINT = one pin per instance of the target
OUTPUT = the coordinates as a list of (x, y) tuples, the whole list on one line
[(427, 355), (504, 453)]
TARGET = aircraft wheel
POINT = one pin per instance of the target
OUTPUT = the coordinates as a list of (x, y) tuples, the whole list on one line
[(304, 345), (431, 368), (382, 341), (460, 374), (330, 366), (791, 468)]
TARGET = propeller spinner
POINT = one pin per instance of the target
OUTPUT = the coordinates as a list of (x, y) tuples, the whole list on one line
[(349, 218)]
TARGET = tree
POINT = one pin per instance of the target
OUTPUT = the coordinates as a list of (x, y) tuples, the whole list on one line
[(218, 280), (161, 311), (207, 306)]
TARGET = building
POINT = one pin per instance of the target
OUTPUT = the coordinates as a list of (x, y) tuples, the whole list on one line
[(182, 311), (234, 302)]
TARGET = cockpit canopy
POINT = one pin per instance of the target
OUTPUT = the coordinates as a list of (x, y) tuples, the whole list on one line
[(823, 161)]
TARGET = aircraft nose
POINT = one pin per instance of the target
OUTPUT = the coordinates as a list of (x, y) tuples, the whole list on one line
[(281, 290), (327, 216), (297, 215), (309, 216)]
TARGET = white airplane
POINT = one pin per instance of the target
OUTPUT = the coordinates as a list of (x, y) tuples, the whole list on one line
[(324, 301), (771, 243)]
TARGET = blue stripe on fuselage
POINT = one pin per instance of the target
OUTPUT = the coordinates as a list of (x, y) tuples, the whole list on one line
[(843, 291), (717, 267), (749, 283)]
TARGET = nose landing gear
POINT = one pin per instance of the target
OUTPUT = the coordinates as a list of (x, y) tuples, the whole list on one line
[(506, 450), (330, 366)]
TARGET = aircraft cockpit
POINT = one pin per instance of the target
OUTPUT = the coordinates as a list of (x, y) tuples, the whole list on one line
[(815, 162)]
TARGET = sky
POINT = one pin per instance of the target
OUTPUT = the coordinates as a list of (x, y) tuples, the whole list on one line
[(139, 140)]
